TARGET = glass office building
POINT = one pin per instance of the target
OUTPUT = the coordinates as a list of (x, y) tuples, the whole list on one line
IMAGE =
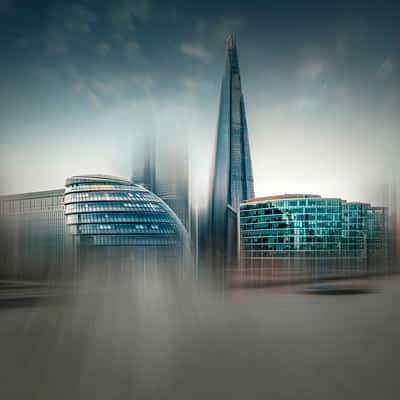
[(96, 220), (354, 229), (109, 211), (307, 231)]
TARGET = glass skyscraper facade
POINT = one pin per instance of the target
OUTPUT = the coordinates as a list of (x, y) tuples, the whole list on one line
[(280, 230), (232, 180)]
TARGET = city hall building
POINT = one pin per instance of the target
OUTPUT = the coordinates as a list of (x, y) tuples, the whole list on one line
[(297, 233), (96, 219)]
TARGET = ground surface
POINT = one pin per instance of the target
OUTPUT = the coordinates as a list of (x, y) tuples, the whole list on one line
[(170, 342)]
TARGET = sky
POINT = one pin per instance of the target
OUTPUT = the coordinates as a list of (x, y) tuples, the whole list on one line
[(82, 81)]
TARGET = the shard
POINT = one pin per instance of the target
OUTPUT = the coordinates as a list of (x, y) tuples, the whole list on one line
[(232, 177)]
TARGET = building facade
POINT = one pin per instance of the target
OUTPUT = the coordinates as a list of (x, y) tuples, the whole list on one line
[(306, 233), (96, 220), (378, 228), (144, 161), (109, 211), (35, 243), (174, 190), (165, 174), (232, 177), (354, 229)]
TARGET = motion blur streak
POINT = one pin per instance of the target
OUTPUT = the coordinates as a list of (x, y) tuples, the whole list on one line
[(159, 337)]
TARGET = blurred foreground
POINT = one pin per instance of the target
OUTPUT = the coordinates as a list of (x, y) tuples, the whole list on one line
[(167, 339)]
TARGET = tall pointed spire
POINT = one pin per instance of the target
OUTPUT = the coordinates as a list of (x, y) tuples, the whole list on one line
[(230, 41), (232, 180)]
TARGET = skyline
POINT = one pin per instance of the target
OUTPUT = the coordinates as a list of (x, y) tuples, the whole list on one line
[(316, 97)]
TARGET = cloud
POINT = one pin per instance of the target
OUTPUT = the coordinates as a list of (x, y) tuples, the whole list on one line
[(123, 13), (121, 90), (304, 104), (55, 42), (340, 45), (349, 35), (312, 69), (132, 48), (78, 19), (146, 83), (122, 18), (195, 84), (127, 45), (112, 89), (196, 51), (45, 74), (341, 93), (201, 26), (66, 21), (172, 16), (387, 67), (93, 99), (103, 49)]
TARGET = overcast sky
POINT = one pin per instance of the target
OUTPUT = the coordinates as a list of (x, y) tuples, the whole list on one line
[(80, 80)]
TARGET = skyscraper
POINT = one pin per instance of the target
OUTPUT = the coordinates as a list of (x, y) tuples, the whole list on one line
[(172, 182), (165, 173), (144, 161), (232, 180)]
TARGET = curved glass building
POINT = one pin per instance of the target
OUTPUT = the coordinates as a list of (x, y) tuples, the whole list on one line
[(103, 210)]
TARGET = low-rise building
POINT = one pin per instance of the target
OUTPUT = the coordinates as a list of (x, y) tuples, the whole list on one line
[(309, 233)]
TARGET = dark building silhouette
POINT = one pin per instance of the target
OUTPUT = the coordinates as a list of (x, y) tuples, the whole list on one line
[(144, 162), (165, 174)]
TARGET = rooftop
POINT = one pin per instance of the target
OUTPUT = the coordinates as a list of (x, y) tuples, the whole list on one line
[(282, 197), (96, 178), (33, 195)]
